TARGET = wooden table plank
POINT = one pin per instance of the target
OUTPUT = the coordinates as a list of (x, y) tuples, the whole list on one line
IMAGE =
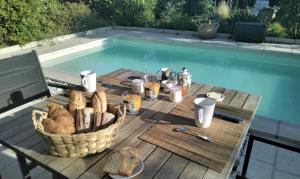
[(154, 162), (158, 162), (164, 108), (154, 113), (172, 168), (238, 101), (193, 171)]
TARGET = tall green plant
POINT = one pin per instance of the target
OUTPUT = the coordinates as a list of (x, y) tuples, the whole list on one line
[(289, 16), (21, 21)]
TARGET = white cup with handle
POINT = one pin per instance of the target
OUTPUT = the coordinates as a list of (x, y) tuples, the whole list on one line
[(88, 80), (204, 110)]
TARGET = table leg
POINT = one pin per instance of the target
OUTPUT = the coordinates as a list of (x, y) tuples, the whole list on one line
[(247, 158), (23, 165)]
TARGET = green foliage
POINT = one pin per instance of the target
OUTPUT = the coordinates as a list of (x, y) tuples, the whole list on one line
[(21, 21), (183, 23), (276, 30), (199, 7), (25, 21), (168, 11), (289, 16), (243, 15)]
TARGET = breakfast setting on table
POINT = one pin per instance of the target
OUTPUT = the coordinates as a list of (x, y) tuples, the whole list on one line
[(198, 127)]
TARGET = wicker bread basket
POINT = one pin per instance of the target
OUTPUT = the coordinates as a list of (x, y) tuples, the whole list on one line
[(79, 145)]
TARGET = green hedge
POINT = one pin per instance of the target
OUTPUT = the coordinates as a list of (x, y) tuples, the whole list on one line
[(25, 21)]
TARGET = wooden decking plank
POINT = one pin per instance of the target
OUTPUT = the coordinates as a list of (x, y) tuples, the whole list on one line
[(239, 99), (193, 171), (251, 102), (204, 89), (154, 162), (164, 108), (116, 72), (127, 131), (172, 168), (149, 106), (17, 118), (28, 142), (125, 74), (229, 95)]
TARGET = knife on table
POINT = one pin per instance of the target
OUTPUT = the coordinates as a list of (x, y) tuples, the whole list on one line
[(229, 117)]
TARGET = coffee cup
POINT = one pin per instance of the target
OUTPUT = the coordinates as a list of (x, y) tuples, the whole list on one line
[(204, 110), (88, 80)]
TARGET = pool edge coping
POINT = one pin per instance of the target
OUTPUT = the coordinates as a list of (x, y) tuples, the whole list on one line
[(222, 40)]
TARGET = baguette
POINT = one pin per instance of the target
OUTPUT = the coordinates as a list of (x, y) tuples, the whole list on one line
[(77, 101), (96, 103)]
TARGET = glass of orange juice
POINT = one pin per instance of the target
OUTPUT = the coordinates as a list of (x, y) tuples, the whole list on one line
[(152, 87), (132, 102)]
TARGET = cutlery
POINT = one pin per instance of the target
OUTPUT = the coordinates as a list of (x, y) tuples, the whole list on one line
[(107, 85), (229, 117), (185, 130)]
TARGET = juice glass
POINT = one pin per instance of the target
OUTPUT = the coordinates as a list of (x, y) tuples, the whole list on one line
[(132, 102)]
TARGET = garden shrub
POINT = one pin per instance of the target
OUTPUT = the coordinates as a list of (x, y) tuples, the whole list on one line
[(289, 17), (21, 21), (276, 30), (183, 23), (127, 12), (167, 11), (26, 21)]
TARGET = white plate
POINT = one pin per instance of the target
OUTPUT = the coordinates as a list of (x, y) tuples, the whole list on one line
[(216, 96), (137, 171)]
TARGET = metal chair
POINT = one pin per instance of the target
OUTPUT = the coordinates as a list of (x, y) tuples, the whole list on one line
[(21, 81)]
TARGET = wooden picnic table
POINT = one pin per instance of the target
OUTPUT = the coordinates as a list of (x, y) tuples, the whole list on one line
[(17, 133)]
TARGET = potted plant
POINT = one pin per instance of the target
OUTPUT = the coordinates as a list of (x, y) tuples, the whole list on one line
[(208, 21)]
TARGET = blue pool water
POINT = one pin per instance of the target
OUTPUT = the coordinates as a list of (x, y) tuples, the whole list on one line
[(274, 76)]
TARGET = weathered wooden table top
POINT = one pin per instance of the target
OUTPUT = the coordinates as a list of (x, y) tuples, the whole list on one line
[(17, 133)]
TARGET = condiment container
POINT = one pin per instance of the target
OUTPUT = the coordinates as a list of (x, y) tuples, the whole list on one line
[(175, 94), (132, 102), (138, 86)]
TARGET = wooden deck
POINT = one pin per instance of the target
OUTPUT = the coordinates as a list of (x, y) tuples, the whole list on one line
[(17, 133)]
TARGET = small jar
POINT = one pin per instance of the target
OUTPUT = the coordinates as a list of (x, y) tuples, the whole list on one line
[(152, 87), (175, 94), (132, 102), (138, 86)]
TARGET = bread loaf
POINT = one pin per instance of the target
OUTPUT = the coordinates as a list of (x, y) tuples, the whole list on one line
[(88, 118), (61, 120), (107, 119), (122, 162), (99, 104), (77, 101)]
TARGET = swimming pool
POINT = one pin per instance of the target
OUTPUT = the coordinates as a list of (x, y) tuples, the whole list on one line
[(274, 76)]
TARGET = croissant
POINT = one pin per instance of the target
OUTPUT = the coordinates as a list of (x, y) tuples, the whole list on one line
[(60, 120)]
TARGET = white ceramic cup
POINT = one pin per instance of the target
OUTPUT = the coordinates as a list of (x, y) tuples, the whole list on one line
[(88, 80), (204, 110)]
